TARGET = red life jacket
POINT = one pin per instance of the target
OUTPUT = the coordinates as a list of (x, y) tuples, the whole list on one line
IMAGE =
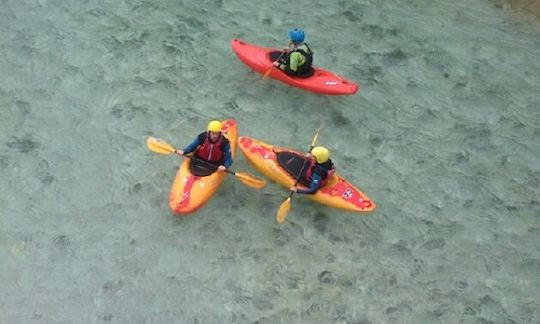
[(325, 170), (209, 151)]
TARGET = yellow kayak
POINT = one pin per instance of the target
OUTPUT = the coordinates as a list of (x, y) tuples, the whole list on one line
[(279, 163), (190, 192)]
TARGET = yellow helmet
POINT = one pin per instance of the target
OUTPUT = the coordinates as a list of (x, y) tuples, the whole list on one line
[(321, 154), (214, 126)]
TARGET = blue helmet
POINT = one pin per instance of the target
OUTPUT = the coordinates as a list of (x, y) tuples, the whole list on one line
[(296, 35)]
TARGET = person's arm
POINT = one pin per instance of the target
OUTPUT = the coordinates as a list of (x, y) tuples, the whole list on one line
[(227, 153), (313, 186), (191, 147), (295, 60)]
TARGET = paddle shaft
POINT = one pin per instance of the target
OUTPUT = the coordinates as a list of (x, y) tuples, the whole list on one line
[(279, 58), (286, 205), (194, 158), (159, 146), (270, 69), (303, 166), (305, 161)]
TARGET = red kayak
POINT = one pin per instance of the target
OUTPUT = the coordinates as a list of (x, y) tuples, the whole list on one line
[(322, 81)]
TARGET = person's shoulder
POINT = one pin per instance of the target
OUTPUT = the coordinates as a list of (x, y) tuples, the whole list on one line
[(201, 136)]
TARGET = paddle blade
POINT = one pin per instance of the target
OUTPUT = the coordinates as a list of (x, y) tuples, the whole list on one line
[(267, 73), (314, 141), (316, 137), (283, 211), (159, 146), (250, 180)]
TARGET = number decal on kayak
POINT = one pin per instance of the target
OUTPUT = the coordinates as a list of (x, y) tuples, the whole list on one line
[(331, 83), (347, 194)]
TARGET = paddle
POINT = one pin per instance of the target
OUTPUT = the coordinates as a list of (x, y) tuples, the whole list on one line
[(286, 205), (160, 146), (267, 73)]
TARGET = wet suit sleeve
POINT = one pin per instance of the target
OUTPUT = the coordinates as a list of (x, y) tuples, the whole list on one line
[(313, 186), (227, 153), (191, 147), (295, 61)]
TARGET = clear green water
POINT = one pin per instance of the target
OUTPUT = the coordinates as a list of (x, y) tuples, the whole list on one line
[(444, 136)]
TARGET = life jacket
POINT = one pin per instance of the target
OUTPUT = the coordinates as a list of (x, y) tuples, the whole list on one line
[(211, 152), (306, 67), (325, 170)]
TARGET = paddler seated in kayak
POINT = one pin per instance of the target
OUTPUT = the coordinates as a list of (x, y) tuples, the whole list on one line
[(211, 146), (296, 60), (318, 171)]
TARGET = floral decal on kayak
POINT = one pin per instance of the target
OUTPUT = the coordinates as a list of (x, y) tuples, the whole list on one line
[(255, 148), (189, 182), (226, 125), (347, 193)]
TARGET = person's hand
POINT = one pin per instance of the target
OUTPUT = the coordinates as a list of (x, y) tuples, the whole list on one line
[(222, 168), (293, 188), (180, 152), (308, 155), (276, 64), (286, 49)]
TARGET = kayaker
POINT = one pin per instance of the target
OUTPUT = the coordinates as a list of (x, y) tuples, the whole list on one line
[(211, 146), (296, 59), (318, 171)]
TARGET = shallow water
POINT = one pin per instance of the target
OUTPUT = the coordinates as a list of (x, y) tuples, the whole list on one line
[(444, 136)]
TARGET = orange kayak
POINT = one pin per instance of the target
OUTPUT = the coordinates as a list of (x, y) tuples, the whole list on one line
[(190, 192), (322, 81), (278, 163)]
